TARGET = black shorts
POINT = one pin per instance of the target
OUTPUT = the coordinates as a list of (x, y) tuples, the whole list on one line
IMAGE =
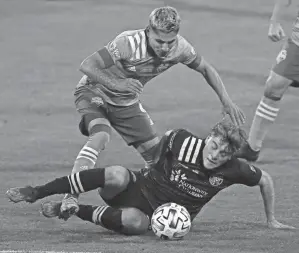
[(132, 196)]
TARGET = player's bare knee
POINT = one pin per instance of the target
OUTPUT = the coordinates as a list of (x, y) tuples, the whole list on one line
[(117, 176), (276, 86), (134, 221), (99, 140)]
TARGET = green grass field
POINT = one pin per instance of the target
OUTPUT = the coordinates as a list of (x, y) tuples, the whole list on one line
[(42, 44)]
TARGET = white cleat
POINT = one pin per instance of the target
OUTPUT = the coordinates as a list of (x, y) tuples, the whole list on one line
[(51, 209), (69, 207), (18, 194)]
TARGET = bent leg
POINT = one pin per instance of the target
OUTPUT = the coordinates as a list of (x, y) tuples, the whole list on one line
[(136, 127), (128, 220), (284, 73), (115, 178)]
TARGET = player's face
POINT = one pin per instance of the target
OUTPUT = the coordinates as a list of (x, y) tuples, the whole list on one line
[(215, 153), (161, 42)]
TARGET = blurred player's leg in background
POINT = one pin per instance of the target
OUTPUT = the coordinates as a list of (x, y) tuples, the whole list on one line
[(267, 109), (284, 73)]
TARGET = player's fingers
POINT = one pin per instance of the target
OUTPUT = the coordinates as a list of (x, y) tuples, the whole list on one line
[(282, 34), (134, 88), (273, 37), (288, 227), (237, 116), (137, 86), (242, 116), (233, 118)]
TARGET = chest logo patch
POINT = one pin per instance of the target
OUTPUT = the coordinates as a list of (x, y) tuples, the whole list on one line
[(215, 180)]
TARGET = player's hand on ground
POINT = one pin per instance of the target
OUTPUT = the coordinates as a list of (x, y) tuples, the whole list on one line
[(236, 115), (277, 225), (276, 32), (131, 85)]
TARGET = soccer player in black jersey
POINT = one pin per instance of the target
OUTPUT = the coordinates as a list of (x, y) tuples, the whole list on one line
[(189, 171)]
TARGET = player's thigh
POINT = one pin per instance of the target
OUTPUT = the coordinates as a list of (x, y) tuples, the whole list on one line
[(93, 111), (131, 196), (134, 124), (287, 64)]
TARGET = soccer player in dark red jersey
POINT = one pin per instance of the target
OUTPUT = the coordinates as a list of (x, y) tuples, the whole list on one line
[(189, 171), (107, 96)]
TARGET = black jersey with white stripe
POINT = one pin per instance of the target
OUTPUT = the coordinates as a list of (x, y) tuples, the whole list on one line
[(179, 175)]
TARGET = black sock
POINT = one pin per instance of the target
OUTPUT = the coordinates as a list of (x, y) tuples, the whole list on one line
[(57, 186), (85, 212), (77, 183), (111, 219), (105, 216)]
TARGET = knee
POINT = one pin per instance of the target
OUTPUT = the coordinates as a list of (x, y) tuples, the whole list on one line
[(276, 85), (99, 140), (134, 221), (117, 176)]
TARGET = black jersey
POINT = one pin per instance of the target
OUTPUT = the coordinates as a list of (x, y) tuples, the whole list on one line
[(179, 175)]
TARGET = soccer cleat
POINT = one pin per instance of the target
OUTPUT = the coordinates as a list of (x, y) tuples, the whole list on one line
[(69, 207), (51, 209), (247, 153), (18, 194)]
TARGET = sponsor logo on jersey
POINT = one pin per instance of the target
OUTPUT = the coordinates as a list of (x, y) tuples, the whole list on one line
[(176, 175), (180, 179), (215, 180), (281, 56), (97, 101)]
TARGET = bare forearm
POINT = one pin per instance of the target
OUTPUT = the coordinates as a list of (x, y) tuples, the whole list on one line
[(268, 194), (213, 79), (96, 75), (277, 10)]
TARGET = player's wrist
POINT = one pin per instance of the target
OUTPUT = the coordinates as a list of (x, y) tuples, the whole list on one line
[(274, 21)]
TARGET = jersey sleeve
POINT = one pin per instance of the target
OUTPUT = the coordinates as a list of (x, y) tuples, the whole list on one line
[(187, 52), (119, 48), (247, 174)]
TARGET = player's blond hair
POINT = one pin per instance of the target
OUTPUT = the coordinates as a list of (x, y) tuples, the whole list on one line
[(165, 19), (229, 133)]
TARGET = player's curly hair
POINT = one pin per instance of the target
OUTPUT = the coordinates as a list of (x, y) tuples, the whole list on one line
[(165, 19), (231, 134)]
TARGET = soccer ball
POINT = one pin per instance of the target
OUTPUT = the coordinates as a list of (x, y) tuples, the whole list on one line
[(171, 221)]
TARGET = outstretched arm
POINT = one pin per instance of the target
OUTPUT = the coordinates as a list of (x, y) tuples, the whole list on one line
[(268, 194), (213, 79), (276, 32)]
